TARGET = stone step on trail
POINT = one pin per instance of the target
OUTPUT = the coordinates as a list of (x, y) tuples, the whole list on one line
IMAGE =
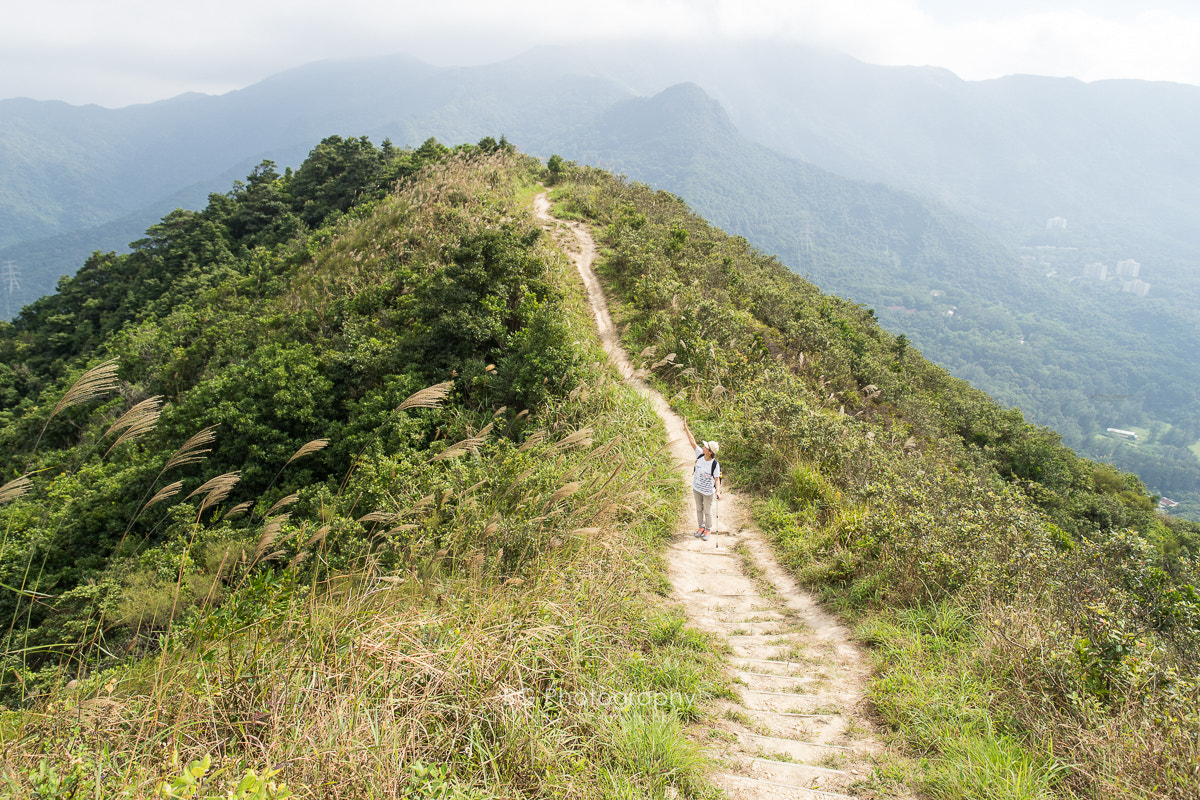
[(794, 749), (787, 702), (742, 787), (772, 666), (765, 682), (806, 776), (815, 728)]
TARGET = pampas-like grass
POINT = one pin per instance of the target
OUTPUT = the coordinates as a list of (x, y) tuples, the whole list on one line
[(533, 440), (96, 382), (565, 491), (580, 438), (215, 490), (240, 508), (430, 397), (193, 449), (136, 422), (170, 490), (15, 488), (311, 447), (270, 533), (470, 445), (282, 502)]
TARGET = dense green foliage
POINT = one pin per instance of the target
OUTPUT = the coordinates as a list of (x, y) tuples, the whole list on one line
[(1076, 356), (328, 474), (332, 507), (1065, 606), (202, 318), (1072, 355)]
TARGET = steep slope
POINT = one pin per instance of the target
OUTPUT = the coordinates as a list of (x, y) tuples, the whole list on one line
[(1081, 356), (1073, 356), (960, 538), (421, 550), (356, 512)]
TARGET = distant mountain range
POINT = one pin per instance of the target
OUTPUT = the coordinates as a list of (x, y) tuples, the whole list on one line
[(1116, 159), (907, 189)]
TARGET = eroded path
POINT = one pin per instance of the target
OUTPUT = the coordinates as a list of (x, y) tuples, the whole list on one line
[(799, 730)]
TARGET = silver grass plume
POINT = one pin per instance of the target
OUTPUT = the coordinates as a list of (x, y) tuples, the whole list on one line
[(136, 422), (193, 449), (466, 445), (96, 382), (240, 508), (430, 397), (170, 490), (15, 488), (565, 491), (215, 490), (269, 535), (534, 439), (282, 502), (311, 447), (580, 438)]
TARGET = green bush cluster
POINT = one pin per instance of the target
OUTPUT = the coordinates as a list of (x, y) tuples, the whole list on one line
[(297, 308), (388, 528)]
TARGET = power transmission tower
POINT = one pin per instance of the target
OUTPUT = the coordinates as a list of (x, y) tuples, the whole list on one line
[(10, 281)]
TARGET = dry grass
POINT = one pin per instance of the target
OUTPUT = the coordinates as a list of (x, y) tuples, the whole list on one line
[(370, 674), (454, 659), (512, 577)]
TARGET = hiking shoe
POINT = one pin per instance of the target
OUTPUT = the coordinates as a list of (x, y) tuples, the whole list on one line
[(704, 536), (699, 532)]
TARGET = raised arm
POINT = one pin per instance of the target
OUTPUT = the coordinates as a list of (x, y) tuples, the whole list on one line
[(688, 431)]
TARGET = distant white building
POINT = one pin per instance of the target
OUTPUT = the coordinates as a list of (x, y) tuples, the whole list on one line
[(1128, 268), (1140, 288), (1122, 434), (1056, 224), (1096, 271)]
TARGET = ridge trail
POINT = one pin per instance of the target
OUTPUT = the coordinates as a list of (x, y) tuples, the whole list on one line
[(800, 730)]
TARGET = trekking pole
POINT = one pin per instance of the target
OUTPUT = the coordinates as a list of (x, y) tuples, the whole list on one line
[(716, 515)]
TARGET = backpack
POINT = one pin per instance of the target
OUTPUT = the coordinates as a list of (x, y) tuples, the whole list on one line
[(712, 471)]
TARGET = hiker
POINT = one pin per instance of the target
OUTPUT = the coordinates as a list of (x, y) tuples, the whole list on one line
[(706, 482)]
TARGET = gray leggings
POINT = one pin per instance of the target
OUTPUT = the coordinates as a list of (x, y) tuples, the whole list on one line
[(704, 510)]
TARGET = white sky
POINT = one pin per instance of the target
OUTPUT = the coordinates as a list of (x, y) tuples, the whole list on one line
[(117, 52)]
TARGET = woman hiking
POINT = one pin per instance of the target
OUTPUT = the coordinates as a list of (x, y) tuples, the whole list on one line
[(706, 482)]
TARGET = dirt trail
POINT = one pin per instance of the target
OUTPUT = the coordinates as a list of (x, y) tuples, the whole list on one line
[(799, 730)]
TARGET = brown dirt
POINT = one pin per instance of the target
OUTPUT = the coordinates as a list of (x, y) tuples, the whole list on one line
[(801, 728)]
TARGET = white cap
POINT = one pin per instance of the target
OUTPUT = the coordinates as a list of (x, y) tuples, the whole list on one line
[(713, 446)]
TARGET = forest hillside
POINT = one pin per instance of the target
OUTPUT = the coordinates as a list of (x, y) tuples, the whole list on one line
[(327, 490)]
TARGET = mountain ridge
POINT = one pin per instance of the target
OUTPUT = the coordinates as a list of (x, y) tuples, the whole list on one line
[(340, 454), (1000, 330)]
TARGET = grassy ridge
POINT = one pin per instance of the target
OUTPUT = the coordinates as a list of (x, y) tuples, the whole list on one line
[(420, 553), (1036, 624)]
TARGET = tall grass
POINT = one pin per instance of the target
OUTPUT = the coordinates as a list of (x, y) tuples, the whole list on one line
[(1018, 658), (492, 624), (489, 668)]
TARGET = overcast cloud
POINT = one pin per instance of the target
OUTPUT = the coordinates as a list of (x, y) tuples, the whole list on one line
[(118, 52)]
